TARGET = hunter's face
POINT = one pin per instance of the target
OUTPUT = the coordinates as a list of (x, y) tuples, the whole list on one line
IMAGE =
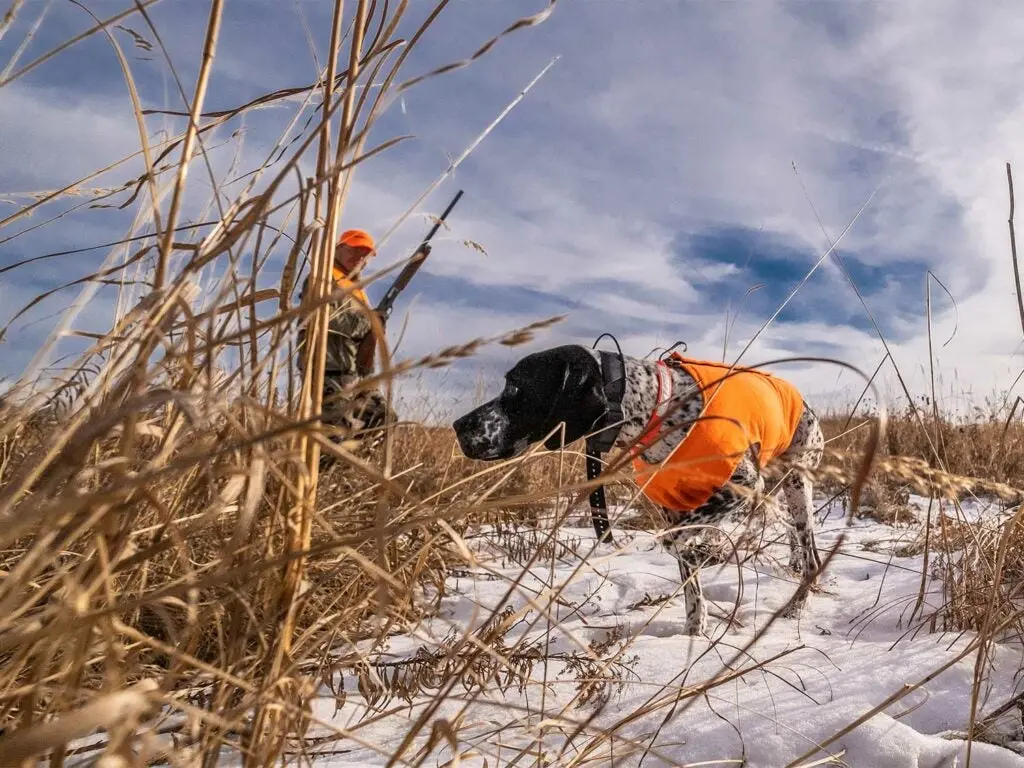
[(352, 259)]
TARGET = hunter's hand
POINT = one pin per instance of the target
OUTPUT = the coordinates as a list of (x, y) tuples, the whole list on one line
[(365, 354), (425, 250)]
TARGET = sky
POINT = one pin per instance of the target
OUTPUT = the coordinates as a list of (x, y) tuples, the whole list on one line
[(675, 175)]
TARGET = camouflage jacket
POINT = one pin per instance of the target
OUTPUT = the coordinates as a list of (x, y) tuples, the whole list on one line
[(347, 329)]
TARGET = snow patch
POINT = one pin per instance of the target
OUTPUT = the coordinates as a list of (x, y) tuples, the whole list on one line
[(857, 642)]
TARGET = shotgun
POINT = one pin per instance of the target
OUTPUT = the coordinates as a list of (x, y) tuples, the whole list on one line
[(388, 302), (365, 354)]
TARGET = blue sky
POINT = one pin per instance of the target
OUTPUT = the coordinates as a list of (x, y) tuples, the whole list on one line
[(643, 187)]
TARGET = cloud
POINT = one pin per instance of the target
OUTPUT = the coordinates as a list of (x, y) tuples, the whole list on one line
[(647, 182), (51, 136)]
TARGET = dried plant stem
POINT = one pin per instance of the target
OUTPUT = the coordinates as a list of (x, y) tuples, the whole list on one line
[(1013, 247), (109, 22), (300, 515), (9, 16), (174, 524), (469, 150), (191, 131)]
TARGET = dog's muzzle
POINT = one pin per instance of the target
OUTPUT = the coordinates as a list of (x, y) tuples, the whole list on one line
[(483, 434)]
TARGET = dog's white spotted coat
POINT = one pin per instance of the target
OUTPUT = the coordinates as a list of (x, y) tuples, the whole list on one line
[(686, 543), (503, 428)]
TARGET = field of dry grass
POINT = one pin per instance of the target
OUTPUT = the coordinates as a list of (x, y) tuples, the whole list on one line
[(178, 578)]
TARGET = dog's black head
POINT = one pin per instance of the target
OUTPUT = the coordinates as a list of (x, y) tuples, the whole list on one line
[(543, 390)]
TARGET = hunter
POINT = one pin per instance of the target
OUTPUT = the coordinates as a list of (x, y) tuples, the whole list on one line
[(351, 344)]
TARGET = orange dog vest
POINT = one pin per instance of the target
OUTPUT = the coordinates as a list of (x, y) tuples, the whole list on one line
[(742, 406)]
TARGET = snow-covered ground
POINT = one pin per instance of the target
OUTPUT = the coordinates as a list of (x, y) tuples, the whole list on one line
[(810, 679)]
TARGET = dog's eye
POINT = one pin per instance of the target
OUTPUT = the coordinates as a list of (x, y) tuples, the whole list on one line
[(511, 390)]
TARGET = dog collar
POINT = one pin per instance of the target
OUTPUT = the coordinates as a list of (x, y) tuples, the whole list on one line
[(613, 375)]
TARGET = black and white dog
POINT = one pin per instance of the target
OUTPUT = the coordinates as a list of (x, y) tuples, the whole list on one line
[(566, 385)]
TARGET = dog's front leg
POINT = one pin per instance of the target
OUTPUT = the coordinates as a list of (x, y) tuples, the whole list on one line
[(684, 545)]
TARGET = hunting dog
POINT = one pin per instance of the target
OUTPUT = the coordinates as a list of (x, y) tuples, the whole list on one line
[(697, 427)]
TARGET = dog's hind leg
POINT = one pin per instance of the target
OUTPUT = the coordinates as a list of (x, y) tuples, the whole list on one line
[(805, 453), (796, 561), (799, 499), (794, 522), (777, 497)]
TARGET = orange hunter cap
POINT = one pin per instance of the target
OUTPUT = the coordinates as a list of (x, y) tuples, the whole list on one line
[(357, 238)]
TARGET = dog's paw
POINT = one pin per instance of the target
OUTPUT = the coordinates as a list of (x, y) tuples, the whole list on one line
[(799, 601), (828, 589), (794, 611), (796, 573), (696, 627)]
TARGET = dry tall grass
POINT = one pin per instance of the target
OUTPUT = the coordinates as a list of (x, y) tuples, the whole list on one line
[(980, 559), (177, 575), (168, 543), (985, 446)]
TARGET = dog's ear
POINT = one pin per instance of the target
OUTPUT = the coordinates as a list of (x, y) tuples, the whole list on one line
[(580, 401)]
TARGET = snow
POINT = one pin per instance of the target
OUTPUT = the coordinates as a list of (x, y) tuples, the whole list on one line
[(809, 678)]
